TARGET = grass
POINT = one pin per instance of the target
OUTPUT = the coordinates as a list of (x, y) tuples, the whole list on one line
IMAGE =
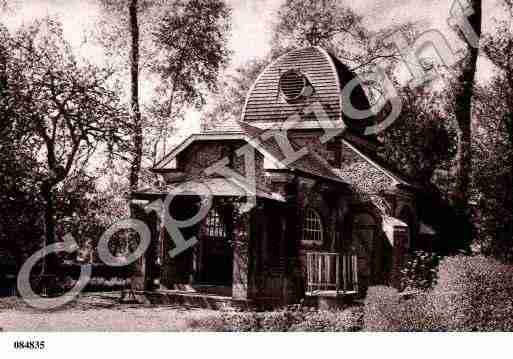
[(102, 312)]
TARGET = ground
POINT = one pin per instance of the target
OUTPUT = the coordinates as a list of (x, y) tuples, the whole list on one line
[(102, 312), (96, 312)]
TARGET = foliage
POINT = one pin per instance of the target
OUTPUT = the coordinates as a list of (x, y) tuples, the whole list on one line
[(86, 212), (421, 140), (20, 229), (281, 320), (182, 48), (61, 103), (21, 225), (315, 23), (463, 96), (381, 307), (67, 104), (229, 100), (336, 27), (386, 310), (471, 294), (493, 145), (192, 38), (420, 271), (474, 293)]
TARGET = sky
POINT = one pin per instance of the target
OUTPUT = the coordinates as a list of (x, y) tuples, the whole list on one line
[(251, 24), (252, 19)]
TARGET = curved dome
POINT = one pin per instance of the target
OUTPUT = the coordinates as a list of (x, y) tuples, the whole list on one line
[(296, 80)]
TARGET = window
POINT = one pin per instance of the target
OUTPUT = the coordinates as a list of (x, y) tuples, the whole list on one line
[(312, 226), (215, 226), (294, 85)]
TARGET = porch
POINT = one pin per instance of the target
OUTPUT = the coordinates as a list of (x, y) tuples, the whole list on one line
[(332, 279)]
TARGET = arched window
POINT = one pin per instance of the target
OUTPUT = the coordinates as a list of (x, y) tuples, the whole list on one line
[(215, 226), (312, 226)]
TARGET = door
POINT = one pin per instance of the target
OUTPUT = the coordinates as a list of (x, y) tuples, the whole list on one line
[(216, 253)]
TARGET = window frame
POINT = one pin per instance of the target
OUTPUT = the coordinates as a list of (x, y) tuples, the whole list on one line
[(312, 223), (215, 226)]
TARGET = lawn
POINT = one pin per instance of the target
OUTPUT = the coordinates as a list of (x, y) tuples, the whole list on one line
[(102, 312)]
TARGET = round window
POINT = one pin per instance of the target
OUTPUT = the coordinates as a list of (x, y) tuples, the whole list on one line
[(293, 84)]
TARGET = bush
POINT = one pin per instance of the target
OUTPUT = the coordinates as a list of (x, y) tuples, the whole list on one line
[(225, 322), (420, 271), (475, 293), (381, 307), (472, 293), (280, 321), (348, 320), (386, 310)]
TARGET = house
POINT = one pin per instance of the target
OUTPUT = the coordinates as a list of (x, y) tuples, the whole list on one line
[(322, 217)]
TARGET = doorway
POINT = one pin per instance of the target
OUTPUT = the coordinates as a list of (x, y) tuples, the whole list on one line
[(216, 255)]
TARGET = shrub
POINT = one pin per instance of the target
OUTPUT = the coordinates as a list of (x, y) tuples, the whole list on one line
[(381, 307), (386, 310), (279, 321), (348, 320), (472, 293), (225, 322), (420, 271)]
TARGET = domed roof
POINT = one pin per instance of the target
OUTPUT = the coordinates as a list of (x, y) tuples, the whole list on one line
[(297, 80)]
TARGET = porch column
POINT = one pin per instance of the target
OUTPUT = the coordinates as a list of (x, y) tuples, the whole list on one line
[(137, 212), (147, 273), (244, 235)]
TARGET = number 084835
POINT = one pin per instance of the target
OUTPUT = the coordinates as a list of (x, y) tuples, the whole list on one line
[(29, 344)]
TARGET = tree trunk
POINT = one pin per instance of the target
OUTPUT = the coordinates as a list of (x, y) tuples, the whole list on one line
[(464, 116), (134, 98), (137, 280), (50, 261)]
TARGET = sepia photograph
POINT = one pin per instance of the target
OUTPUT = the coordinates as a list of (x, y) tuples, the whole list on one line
[(220, 166)]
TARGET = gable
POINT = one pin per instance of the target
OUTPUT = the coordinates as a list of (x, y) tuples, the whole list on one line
[(362, 173)]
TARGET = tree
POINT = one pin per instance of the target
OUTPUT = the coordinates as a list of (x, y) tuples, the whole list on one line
[(192, 40), (493, 141), (135, 113), (20, 229), (463, 110), (420, 140), (337, 28), (229, 100), (182, 46), (63, 102), (315, 23), (492, 156)]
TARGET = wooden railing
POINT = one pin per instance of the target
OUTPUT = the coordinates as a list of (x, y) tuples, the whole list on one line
[(331, 272)]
